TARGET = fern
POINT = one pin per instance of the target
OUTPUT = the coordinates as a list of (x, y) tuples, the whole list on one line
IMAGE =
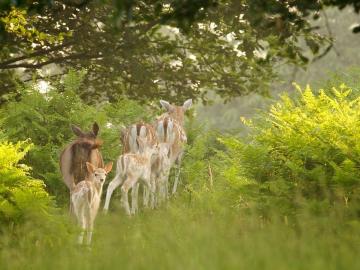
[(22, 198)]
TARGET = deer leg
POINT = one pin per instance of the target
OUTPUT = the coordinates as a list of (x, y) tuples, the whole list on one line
[(134, 198), (162, 186), (147, 194), (146, 197), (166, 189), (166, 184), (71, 210), (153, 194), (149, 187), (81, 237), (124, 195), (177, 174), (90, 226), (82, 221), (154, 186), (112, 186)]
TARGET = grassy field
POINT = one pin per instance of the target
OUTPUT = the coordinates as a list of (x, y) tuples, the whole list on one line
[(185, 236)]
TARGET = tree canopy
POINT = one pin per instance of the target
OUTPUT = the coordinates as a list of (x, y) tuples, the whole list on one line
[(155, 49)]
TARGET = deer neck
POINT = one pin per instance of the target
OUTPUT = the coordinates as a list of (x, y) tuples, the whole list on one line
[(178, 116), (97, 186)]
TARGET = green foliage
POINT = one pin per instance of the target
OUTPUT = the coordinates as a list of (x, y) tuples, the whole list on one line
[(164, 49), (315, 137), (305, 149), (20, 24), (22, 198)]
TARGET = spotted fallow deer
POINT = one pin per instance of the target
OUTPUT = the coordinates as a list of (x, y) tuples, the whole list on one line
[(85, 198), (160, 166), (128, 138), (75, 155), (131, 169), (170, 129)]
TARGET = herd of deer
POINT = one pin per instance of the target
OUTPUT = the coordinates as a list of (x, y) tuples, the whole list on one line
[(149, 152)]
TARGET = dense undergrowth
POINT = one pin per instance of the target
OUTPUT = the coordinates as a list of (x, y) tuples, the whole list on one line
[(284, 196)]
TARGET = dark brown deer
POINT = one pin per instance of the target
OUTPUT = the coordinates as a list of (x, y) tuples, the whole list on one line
[(75, 155)]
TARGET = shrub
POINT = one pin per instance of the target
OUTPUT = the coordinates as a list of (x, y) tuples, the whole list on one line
[(305, 148), (22, 198)]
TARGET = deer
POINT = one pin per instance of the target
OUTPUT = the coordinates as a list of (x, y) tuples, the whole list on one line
[(128, 138), (169, 129), (160, 166), (132, 169), (75, 155), (85, 198)]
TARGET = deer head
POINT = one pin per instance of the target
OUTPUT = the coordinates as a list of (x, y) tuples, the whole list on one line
[(98, 175), (88, 138), (176, 112)]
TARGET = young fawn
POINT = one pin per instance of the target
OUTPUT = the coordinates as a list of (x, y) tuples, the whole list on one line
[(131, 169), (85, 198), (130, 144)]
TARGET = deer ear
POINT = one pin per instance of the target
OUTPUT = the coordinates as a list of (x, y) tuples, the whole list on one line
[(77, 130), (95, 129), (166, 105), (108, 167), (91, 168), (187, 104)]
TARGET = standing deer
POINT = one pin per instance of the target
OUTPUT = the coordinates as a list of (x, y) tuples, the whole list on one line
[(86, 197), (130, 144), (75, 155), (131, 169), (170, 129)]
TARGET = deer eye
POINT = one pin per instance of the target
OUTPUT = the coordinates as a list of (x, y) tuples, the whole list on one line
[(96, 174)]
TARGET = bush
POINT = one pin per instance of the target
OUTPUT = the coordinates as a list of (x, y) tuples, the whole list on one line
[(315, 138), (305, 148), (22, 198)]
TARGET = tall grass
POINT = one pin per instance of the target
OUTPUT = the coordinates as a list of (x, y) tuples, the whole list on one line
[(182, 236)]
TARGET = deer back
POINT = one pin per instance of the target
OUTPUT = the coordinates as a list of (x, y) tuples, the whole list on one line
[(129, 137)]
